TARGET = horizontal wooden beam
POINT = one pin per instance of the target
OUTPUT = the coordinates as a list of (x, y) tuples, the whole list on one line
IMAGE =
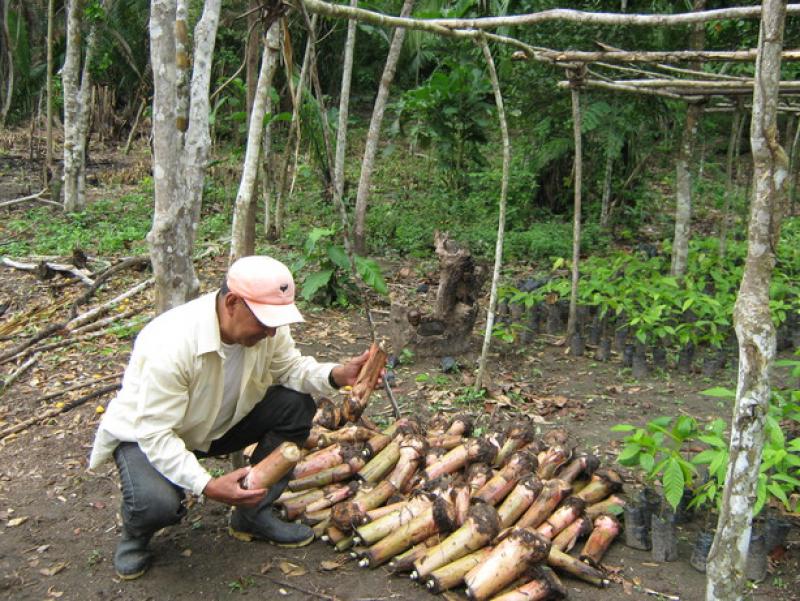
[(668, 56)]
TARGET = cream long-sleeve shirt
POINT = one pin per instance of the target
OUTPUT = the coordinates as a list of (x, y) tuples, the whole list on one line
[(172, 389)]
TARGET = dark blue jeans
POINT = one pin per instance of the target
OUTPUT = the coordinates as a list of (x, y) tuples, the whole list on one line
[(151, 502)]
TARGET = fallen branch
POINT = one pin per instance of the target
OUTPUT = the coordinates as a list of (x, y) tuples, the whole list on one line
[(54, 394), (5, 384), (140, 261), (53, 345), (300, 588), (24, 425), (37, 197), (41, 335), (93, 314), (42, 269), (102, 323)]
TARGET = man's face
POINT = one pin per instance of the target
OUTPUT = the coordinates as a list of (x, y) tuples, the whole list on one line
[(245, 328)]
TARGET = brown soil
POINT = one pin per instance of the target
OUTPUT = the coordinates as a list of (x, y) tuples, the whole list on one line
[(59, 523)]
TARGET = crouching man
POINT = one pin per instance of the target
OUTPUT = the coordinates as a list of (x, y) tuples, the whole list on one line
[(209, 378)]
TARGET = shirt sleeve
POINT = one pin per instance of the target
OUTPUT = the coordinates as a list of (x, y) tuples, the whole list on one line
[(162, 405), (296, 371)]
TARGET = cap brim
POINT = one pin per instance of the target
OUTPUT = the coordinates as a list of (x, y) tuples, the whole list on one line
[(275, 316)]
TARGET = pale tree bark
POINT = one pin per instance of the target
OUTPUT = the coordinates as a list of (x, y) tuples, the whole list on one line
[(8, 92), (572, 321), (733, 153), (251, 53), (374, 133), (242, 242), (344, 111), (683, 177), (77, 84), (48, 162), (501, 218), (181, 142), (752, 320)]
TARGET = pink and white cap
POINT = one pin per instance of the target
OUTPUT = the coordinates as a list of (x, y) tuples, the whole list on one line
[(267, 286)]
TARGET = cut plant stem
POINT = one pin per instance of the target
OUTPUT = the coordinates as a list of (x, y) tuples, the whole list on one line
[(496, 489), (412, 449), (543, 585), (517, 436), (606, 529), (480, 527), (335, 496), (477, 475), (436, 519), (337, 473), (551, 460), (613, 505), (519, 499), (583, 465), (445, 441), (452, 574), (328, 415), (405, 561), (569, 511), (320, 460), (477, 450), (355, 403), (374, 531), (351, 514), (576, 568), (567, 538), (273, 467), (603, 483), (553, 492), (381, 464), (349, 434), (522, 548)]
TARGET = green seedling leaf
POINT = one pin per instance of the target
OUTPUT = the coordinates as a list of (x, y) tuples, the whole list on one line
[(314, 282), (719, 392), (673, 482)]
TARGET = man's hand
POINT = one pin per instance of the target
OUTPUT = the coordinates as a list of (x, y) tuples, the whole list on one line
[(226, 489), (347, 374)]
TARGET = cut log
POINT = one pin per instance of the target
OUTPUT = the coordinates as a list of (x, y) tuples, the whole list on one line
[(355, 403)]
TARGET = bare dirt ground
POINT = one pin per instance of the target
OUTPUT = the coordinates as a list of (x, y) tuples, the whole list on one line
[(59, 522)]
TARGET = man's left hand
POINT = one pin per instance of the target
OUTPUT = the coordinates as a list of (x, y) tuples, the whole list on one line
[(347, 374)]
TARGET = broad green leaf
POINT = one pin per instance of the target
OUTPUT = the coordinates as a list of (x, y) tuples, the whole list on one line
[(339, 257), (371, 272), (778, 493), (623, 428), (646, 461), (628, 454), (713, 441), (673, 482), (314, 282)]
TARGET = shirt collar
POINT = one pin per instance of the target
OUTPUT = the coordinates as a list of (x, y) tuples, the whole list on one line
[(208, 336)]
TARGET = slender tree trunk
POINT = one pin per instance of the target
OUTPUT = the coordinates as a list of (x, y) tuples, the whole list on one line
[(344, 110), (572, 321), (793, 175), (70, 81), (371, 147), (242, 244), (293, 137), (9, 58), (733, 151), (606, 199), (752, 319), (48, 163), (251, 53), (683, 177), (181, 143), (501, 219)]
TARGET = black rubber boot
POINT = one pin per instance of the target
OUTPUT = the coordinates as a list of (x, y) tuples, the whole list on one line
[(262, 522), (131, 559)]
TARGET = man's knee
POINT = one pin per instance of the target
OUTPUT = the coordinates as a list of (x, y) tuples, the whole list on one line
[(153, 510), (298, 407)]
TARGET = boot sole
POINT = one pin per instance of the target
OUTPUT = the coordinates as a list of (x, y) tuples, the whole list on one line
[(133, 576), (247, 537)]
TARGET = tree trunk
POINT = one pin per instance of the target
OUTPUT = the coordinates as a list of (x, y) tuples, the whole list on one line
[(8, 93), (48, 162), (72, 107), (793, 176), (606, 199), (251, 53), (752, 320), (242, 244), (501, 219), (733, 151), (683, 177), (371, 147), (572, 328), (344, 111), (293, 137), (179, 160)]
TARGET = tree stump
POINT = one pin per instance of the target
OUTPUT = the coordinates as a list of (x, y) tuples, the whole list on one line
[(446, 327)]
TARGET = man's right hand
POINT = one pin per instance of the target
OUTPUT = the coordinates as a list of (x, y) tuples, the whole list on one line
[(227, 489)]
